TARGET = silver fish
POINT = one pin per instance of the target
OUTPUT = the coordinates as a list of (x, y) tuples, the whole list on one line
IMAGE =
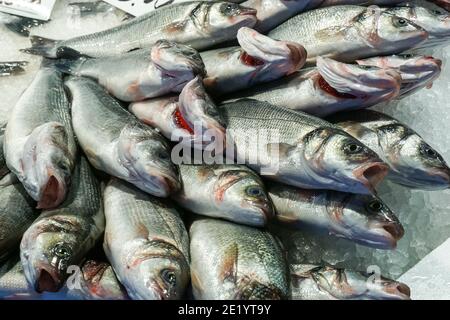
[(192, 117), (412, 161), (235, 262), (310, 282), (258, 59), (61, 237), (16, 214), (330, 87), (12, 68), (141, 74), (199, 24), (300, 150), (442, 3), (13, 284), (417, 71), (39, 144), (115, 142), (231, 192), (146, 243), (19, 25), (347, 33), (363, 219)]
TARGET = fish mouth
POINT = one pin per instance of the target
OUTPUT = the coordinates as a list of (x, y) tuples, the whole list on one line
[(385, 235), (47, 280), (246, 11), (265, 210), (371, 174), (161, 184), (53, 193), (398, 290)]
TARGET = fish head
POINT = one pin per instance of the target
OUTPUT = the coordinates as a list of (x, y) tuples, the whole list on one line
[(100, 281), (269, 58), (146, 155), (201, 115), (364, 219), (227, 18), (334, 155), (177, 61), (370, 84), (387, 32), (241, 193), (413, 161), (47, 165), (48, 248), (381, 288)]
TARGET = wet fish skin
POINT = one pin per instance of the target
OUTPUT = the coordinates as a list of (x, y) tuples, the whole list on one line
[(199, 24), (330, 87), (258, 59), (310, 282), (19, 25), (299, 149), (346, 33), (4, 170), (13, 284), (417, 71), (39, 145), (141, 74), (231, 192), (62, 237), (115, 142), (363, 219), (12, 68), (146, 243), (412, 161), (16, 214), (442, 3), (236, 262)]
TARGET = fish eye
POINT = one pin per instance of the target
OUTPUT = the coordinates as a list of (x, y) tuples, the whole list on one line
[(163, 155), (407, 55), (352, 148), (399, 22), (228, 8), (62, 251), (375, 206), (169, 277), (429, 152), (254, 191), (367, 67)]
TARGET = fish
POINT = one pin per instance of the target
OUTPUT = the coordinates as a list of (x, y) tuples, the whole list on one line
[(96, 281), (298, 149), (416, 71), (61, 237), (330, 87), (192, 117), (435, 21), (363, 219), (16, 214), (236, 262), (117, 143), (12, 68), (39, 145), (199, 24), (231, 192), (258, 59), (412, 161), (19, 25), (347, 33), (442, 3), (146, 243), (312, 282), (140, 74), (92, 8), (13, 284), (4, 170)]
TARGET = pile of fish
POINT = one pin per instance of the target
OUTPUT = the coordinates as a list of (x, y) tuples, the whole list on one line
[(104, 194)]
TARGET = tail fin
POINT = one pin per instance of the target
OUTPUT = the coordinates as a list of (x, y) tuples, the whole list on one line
[(22, 26), (42, 47), (12, 67)]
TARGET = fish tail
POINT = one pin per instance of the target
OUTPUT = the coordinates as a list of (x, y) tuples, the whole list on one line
[(22, 26), (42, 47), (12, 68)]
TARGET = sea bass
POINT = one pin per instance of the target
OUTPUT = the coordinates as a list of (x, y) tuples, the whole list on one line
[(141, 74), (115, 142), (39, 145), (364, 219), (417, 71), (16, 214), (19, 25), (412, 161), (330, 87), (146, 243), (310, 282), (199, 24), (61, 237), (300, 150), (236, 262), (258, 59), (231, 192), (347, 33), (12, 68), (442, 3)]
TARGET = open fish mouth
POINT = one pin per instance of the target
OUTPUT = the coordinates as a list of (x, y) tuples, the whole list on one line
[(47, 280), (53, 192), (384, 235), (371, 175), (350, 81)]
